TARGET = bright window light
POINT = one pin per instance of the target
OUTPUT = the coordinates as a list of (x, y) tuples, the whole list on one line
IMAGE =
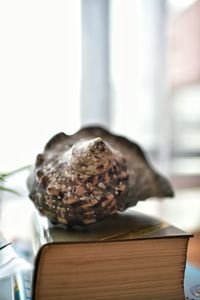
[(39, 75)]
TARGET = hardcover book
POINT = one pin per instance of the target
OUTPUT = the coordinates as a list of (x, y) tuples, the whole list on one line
[(127, 256)]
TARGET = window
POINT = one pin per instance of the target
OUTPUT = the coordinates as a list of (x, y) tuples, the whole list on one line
[(40, 70)]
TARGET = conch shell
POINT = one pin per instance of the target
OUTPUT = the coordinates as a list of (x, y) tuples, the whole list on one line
[(83, 178)]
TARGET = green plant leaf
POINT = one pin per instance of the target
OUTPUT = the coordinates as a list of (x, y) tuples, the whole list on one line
[(3, 175), (5, 189)]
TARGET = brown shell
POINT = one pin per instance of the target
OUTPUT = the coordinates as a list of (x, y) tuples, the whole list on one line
[(83, 178)]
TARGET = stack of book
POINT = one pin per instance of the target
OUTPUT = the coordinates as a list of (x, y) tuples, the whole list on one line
[(127, 256)]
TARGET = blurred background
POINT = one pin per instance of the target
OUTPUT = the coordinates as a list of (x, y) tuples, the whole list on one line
[(132, 66)]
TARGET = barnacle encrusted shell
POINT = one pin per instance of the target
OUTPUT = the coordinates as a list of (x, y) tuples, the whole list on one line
[(83, 178)]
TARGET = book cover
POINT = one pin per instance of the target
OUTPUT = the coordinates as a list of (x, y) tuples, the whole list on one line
[(121, 226)]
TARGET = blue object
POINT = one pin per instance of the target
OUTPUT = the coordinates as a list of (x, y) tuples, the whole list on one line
[(6, 289), (192, 282)]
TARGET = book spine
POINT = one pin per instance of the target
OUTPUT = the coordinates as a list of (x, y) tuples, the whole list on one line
[(22, 282)]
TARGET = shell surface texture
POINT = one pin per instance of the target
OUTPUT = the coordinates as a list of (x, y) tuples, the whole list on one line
[(83, 178)]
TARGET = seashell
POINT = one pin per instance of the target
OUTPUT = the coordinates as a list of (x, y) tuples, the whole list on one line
[(83, 178)]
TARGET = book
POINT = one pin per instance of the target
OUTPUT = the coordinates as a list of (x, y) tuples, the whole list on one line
[(127, 256)]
